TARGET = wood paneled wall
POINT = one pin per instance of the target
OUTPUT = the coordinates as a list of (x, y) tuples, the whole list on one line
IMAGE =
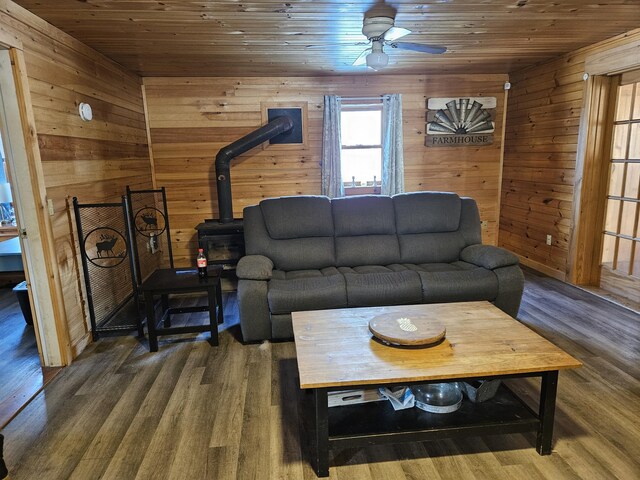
[(541, 145), (91, 160), (190, 119)]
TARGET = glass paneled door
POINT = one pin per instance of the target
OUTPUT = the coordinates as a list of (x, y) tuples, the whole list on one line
[(620, 266)]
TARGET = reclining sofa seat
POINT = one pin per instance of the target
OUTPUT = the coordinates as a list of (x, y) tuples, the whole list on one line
[(313, 253)]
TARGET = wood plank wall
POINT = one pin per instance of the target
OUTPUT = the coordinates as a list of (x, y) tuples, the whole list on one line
[(541, 143), (91, 160), (190, 119)]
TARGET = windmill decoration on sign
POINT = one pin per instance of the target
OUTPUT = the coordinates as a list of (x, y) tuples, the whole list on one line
[(456, 122)]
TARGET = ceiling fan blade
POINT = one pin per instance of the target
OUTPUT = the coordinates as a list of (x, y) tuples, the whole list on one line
[(362, 59), (417, 47), (337, 44), (394, 33)]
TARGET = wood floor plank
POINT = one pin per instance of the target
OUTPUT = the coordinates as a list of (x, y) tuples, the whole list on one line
[(447, 460), (104, 446), (255, 432), (387, 469), (172, 429), (415, 462), (235, 411)]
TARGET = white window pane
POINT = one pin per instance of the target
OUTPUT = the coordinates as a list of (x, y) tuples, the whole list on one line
[(361, 128), (620, 134), (362, 164), (623, 108), (608, 251), (624, 255)]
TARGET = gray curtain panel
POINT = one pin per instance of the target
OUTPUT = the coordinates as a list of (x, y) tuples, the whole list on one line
[(392, 148), (331, 145)]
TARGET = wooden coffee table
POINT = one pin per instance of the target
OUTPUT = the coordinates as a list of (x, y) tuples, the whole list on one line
[(336, 351)]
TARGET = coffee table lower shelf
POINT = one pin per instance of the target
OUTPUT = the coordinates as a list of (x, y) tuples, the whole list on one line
[(377, 423)]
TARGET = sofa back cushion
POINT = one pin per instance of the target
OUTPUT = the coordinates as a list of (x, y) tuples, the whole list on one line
[(310, 232), (365, 230), (297, 217), (427, 212), (296, 233), (428, 226), (419, 248), (363, 215)]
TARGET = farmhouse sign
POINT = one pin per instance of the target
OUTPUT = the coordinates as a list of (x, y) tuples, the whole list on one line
[(457, 122)]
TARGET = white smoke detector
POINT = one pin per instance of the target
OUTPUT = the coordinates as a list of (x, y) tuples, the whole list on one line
[(85, 111)]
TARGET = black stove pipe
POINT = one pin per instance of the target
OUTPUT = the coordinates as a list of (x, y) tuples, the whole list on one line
[(274, 128)]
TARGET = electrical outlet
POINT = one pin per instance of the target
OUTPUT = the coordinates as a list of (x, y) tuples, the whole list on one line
[(50, 206), (548, 239), (484, 224)]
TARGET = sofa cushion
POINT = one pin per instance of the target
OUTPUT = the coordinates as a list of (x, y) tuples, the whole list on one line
[(365, 231), (298, 253), (460, 282), (297, 217), (367, 249), (372, 285), (363, 215), (286, 254), (306, 290), (434, 267), (430, 247), (310, 273), (469, 226), (427, 212)]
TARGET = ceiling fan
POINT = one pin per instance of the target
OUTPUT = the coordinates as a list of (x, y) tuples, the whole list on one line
[(381, 32)]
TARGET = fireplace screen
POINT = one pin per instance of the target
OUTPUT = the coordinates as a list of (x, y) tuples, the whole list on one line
[(105, 251), (150, 230)]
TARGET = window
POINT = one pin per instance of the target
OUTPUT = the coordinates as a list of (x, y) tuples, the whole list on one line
[(361, 150)]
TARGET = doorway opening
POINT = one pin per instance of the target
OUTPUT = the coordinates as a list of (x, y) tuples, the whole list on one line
[(21, 372), (24, 347)]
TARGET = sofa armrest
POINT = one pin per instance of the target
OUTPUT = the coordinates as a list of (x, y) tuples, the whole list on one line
[(254, 267), (488, 256)]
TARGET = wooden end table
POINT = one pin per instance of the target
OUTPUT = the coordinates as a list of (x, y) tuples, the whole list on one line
[(179, 281), (336, 351)]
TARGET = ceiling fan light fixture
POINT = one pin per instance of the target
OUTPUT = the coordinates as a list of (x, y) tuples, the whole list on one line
[(377, 60)]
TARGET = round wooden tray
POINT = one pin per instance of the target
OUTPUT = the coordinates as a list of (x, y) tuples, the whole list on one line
[(410, 330)]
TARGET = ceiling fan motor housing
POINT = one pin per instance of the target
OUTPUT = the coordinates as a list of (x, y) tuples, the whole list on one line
[(376, 26)]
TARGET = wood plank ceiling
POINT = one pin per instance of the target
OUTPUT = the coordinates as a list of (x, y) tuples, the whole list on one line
[(268, 38)]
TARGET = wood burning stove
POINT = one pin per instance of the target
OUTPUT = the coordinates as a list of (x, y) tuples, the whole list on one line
[(223, 240), (223, 243)]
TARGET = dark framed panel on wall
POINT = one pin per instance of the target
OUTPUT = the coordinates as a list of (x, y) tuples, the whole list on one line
[(297, 138)]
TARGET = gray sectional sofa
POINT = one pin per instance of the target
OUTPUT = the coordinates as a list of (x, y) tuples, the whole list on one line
[(312, 253)]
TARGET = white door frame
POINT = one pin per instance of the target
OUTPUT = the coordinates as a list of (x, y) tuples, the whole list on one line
[(25, 168)]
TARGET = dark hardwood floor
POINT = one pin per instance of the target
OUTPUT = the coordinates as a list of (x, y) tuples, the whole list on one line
[(233, 412), (21, 376)]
